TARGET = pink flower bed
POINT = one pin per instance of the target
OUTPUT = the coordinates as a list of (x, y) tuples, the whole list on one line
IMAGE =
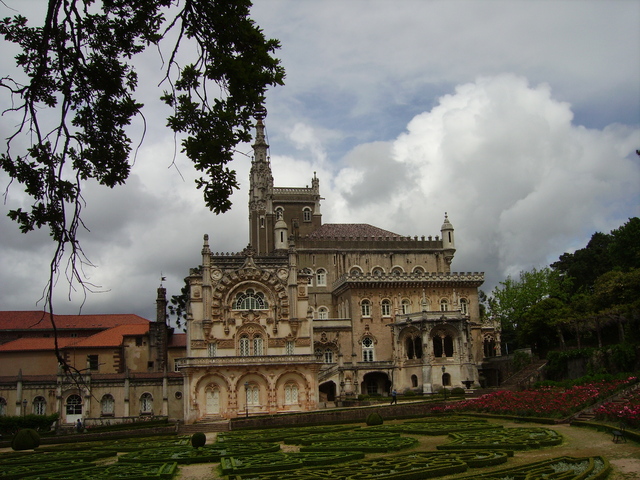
[(542, 402), (627, 411)]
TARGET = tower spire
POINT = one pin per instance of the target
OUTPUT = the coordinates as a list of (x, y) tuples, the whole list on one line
[(260, 188)]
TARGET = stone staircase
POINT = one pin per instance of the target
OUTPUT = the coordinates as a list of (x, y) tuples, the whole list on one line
[(205, 426), (618, 398), (525, 377)]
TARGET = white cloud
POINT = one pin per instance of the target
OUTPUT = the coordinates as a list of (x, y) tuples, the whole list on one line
[(517, 178)]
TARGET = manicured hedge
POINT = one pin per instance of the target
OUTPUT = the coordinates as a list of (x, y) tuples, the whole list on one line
[(207, 454), (504, 438), (163, 471), (271, 462)]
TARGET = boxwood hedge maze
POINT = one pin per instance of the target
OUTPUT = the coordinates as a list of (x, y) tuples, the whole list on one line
[(342, 452)]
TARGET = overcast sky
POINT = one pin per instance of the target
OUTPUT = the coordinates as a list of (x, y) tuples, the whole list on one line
[(518, 118)]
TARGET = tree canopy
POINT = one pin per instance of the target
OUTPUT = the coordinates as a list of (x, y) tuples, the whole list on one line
[(582, 294), (77, 96)]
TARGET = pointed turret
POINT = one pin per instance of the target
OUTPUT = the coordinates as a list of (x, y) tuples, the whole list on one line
[(448, 240), (260, 188)]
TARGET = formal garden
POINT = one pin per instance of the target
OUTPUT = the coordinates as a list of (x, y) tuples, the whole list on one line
[(501, 435)]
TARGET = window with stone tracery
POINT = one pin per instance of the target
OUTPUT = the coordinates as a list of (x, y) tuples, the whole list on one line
[(464, 306), (258, 346), (243, 346), (386, 308), (250, 300), (291, 394), (367, 349)]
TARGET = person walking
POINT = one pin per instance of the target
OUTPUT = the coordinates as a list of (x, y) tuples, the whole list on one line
[(394, 397)]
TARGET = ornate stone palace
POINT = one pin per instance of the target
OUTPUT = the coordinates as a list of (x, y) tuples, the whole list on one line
[(311, 313)]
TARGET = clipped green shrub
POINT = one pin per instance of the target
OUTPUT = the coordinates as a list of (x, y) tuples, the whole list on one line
[(457, 391), (409, 393), (198, 440), (26, 439), (374, 419)]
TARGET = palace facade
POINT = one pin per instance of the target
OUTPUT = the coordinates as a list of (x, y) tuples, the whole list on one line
[(309, 314)]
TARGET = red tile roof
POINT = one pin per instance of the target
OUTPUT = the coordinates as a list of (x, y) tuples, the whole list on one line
[(39, 320), (333, 230), (112, 337), (35, 344)]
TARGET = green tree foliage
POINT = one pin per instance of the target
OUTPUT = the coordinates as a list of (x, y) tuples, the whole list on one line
[(512, 299), (25, 439), (76, 98), (198, 440)]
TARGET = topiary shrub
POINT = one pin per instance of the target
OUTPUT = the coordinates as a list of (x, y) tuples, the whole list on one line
[(374, 419), (26, 439), (198, 440)]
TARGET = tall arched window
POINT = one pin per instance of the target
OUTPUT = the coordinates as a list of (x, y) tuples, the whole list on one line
[(146, 403), (414, 381), (409, 347), (258, 346), (386, 308), (405, 306), (39, 406), (448, 346), (417, 346), (437, 346), (367, 349), (321, 277), (107, 405), (365, 306), (291, 394), (323, 313), (464, 306), (250, 300), (253, 394), (446, 380), (444, 305), (306, 214), (243, 346)]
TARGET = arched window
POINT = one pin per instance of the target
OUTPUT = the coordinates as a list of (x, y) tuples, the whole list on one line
[(489, 347), (212, 349), (74, 405), (409, 347), (306, 214), (365, 306), (448, 346), (367, 349), (146, 403), (418, 270), (250, 300), (355, 271), (437, 346), (328, 356), (321, 277), (405, 306), (3, 406), (464, 306), (397, 271), (279, 213), (377, 271), (39, 406), (252, 393), (446, 380), (291, 394), (417, 347), (414, 381), (323, 313), (386, 308), (444, 305), (258, 346), (107, 405), (243, 346)]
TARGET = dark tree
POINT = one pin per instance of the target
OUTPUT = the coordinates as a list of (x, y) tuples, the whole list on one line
[(77, 96)]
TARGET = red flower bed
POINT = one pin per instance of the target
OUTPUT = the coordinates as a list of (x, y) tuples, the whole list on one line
[(553, 402), (627, 411)]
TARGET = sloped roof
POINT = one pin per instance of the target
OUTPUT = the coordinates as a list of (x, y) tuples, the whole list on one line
[(39, 320), (112, 337), (333, 230), (36, 344)]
